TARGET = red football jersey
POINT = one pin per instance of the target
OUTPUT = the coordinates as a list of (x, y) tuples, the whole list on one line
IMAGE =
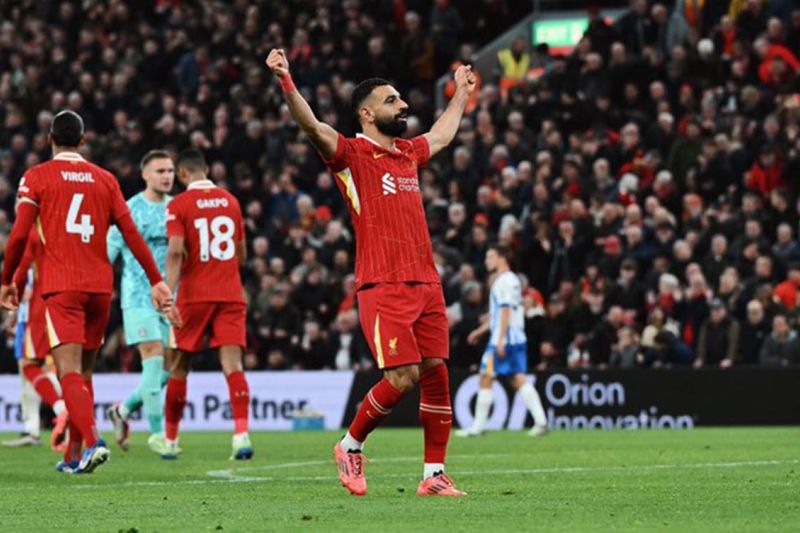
[(210, 221), (382, 192), (77, 201)]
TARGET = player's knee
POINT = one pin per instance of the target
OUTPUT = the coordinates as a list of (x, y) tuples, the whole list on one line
[(151, 349), (179, 372), (404, 379), (428, 364), (180, 366)]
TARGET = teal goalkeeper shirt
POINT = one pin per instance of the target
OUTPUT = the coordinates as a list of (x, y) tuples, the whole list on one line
[(151, 221)]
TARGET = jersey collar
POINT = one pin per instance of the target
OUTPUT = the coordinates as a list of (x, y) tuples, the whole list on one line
[(373, 141), (202, 184), (68, 156)]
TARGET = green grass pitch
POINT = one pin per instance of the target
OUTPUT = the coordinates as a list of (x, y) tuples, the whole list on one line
[(701, 480)]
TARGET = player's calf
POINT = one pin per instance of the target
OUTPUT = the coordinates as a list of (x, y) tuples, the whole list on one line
[(375, 407), (176, 401), (435, 414)]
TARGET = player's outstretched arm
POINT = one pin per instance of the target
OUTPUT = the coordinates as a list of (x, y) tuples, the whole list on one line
[(323, 136), (15, 248), (444, 130)]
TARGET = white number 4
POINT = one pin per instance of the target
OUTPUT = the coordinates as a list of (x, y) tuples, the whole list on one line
[(85, 228)]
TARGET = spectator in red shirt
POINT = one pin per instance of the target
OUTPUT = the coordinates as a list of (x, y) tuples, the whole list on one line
[(785, 293), (778, 63), (766, 174)]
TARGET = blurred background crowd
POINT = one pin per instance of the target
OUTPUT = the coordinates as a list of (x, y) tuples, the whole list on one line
[(647, 181)]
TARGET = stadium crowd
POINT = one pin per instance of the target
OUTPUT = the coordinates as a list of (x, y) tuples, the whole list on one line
[(647, 181)]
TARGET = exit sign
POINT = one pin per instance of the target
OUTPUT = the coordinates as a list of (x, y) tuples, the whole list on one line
[(559, 33)]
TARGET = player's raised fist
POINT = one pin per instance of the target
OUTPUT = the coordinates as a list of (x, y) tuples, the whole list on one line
[(8, 297), (465, 78), (277, 62)]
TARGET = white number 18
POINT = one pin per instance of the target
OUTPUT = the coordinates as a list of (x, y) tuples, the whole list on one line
[(221, 245)]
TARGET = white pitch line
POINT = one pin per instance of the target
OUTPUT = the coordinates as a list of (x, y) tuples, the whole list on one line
[(232, 478), (384, 460), (570, 470)]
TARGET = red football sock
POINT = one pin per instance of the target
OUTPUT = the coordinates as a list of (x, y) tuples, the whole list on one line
[(176, 401), (73, 450), (375, 407), (80, 406), (240, 401), (90, 387), (41, 383), (435, 413)]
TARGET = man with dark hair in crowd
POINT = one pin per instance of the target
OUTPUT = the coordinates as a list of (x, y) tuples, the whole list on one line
[(628, 292), (718, 343), (755, 330), (604, 337), (782, 346)]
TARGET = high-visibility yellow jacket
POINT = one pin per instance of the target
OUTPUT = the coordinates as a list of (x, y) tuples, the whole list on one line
[(513, 69)]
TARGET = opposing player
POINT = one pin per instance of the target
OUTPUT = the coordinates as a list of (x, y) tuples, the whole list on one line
[(35, 346), (144, 326), (400, 299), (506, 355), (206, 248), (73, 203)]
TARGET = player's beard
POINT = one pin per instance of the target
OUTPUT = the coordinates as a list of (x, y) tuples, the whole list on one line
[(394, 127)]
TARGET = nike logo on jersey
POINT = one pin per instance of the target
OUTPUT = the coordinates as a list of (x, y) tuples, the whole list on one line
[(389, 185), (376, 155)]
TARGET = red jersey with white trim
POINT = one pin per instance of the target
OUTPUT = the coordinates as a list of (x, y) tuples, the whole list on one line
[(210, 221), (382, 192), (77, 201)]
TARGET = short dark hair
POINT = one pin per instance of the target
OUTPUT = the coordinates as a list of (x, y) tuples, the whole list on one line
[(192, 160), (66, 129), (153, 154), (362, 92), (502, 250)]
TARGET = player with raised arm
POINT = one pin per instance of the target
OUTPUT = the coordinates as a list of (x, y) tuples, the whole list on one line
[(400, 299), (144, 326), (506, 355), (72, 203), (206, 248)]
